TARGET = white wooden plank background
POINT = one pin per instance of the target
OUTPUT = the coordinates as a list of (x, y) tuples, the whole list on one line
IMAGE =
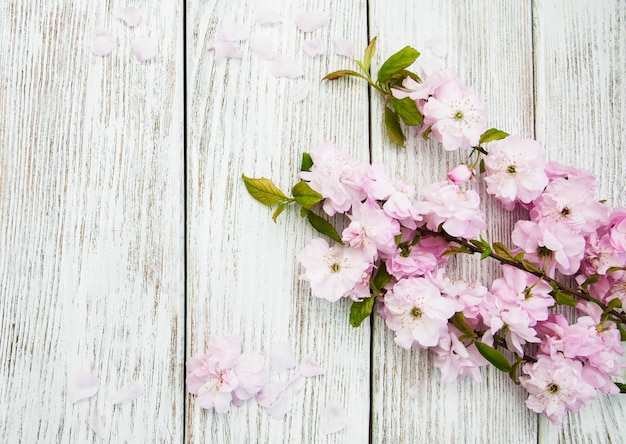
[(92, 245)]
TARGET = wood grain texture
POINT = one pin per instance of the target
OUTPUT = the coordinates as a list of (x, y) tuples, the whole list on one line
[(243, 272), (91, 209), (490, 46), (580, 59)]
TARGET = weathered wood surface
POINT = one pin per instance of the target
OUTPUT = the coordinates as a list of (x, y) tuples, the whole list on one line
[(93, 208)]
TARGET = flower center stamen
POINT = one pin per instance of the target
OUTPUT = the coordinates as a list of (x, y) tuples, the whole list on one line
[(416, 313)]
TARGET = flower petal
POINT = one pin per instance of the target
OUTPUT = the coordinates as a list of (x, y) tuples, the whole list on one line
[(334, 418), (438, 46), (344, 47), (263, 46), (130, 392), (144, 48), (129, 14), (266, 16), (309, 367), (299, 91), (281, 357), (283, 66), (102, 43), (81, 384), (96, 423), (311, 21), (313, 47), (235, 32), (225, 50)]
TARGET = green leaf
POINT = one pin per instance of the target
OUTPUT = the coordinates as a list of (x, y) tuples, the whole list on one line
[(265, 191), (519, 256), (564, 299), (621, 386), (531, 268), (456, 250), (343, 73), (492, 355), (481, 166), (613, 269), (396, 63), (458, 320), (304, 195), (359, 311), (485, 254), (393, 127), (613, 304), (514, 370), (502, 251), (323, 226), (369, 54), (279, 209), (382, 277), (307, 162), (407, 110), (492, 134), (590, 280)]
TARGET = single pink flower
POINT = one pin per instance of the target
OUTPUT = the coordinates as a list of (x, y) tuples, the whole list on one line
[(460, 174), (371, 229), (455, 360)]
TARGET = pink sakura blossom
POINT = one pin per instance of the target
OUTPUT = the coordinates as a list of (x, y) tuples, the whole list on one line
[(617, 231), (283, 66), (455, 117), (515, 171), (225, 375), (81, 384), (601, 256), (469, 294), (410, 261), (555, 170), (102, 43), (460, 174), (371, 229), (376, 182), (344, 47), (336, 176), (263, 46), (334, 418), (556, 385), (144, 48), (332, 271), (299, 91), (458, 211), (514, 324), (549, 245), (455, 360), (313, 47), (421, 91), (311, 21), (128, 14), (417, 312)]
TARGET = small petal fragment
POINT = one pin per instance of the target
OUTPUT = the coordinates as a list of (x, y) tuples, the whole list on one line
[(299, 91), (266, 16), (235, 32), (418, 390), (283, 66), (344, 47), (281, 357), (129, 14), (438, 46), (144, 48), (128, 393), (309, 367), (96, 423), (225, 50), (263, 46), (103, 43), (81, 384), (313, 47), (334, 418), (311, 21)]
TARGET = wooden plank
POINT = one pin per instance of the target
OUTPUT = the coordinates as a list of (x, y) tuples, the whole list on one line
[(490, 46), (91, 209), (243, 274), (580, 57)]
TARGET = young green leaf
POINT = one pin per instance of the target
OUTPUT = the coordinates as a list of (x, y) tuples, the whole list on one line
[(564, 299), (492, 355), (304, 195), (492, 134), (458, 320), (485, 254), (265, 191), (613, 304), (382, 277), (393, 127), (359, 311), (279, 209), (342, 73), (369, 54), (396, 63), (407, 110), (323, 226), (531, 268), (502, 251), (307, 162)]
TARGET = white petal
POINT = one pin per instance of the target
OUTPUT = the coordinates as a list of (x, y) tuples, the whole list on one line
[(281, 357), (311, 21), (129, 14), (130, 392), (96, 423), (283, 66), (225, 50), (235, 32), (430, 64), (299, 92), (334, 418), (81, 384), (266, 16), (418, 390), (309, 367), (438, 46), (344, 47), (263, 46), (102, 44), (144, 48), (313, 47)]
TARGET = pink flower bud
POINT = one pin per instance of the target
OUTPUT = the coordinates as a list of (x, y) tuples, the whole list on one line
[(460, 174)]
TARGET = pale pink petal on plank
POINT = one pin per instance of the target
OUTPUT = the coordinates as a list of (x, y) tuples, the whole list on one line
[(438, 45), (277, 396), (235, 32), (225, 50), (309, 367), (283, 66), (128, 393), (144, 48), (334, 418), (429, 64), (81, 384), (418, 390), (265, 16), (313, 47), (344, 47), (96, 424), (281, 357), (129, 14), (299, 92), (102, 44), (311, 21), (263, 46)]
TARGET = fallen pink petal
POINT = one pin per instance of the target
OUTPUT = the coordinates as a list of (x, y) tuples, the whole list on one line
[(281, 357), (418, 390), (267, 16), (276, 397), (283, 66), (334, 418), (299, 91), (310, 368), (128, 14), (128, 393), (313, 47), (438, 45), (225, 50), (97, 424), (311, 21), (344, 47), (81, 384), (144, 48), (235, 32), (263, 46), (102, 44)]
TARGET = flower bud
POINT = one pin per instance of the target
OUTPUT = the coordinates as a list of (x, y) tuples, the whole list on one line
[(460, 174)]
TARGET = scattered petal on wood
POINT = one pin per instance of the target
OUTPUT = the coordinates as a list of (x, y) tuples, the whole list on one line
[(263, 46), (281, 357), (81, 384), (283, 66), (96, 423), (299, 92), (418, 390), (313, 47), (235, 32), (309, 367), (334, 418), (311, 21), (129, 14), (277, 396), (438, 45), (128, 393), (225, 50), (102, 44), (430, 64), (144, 48), (344, 47), (266, 16)]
